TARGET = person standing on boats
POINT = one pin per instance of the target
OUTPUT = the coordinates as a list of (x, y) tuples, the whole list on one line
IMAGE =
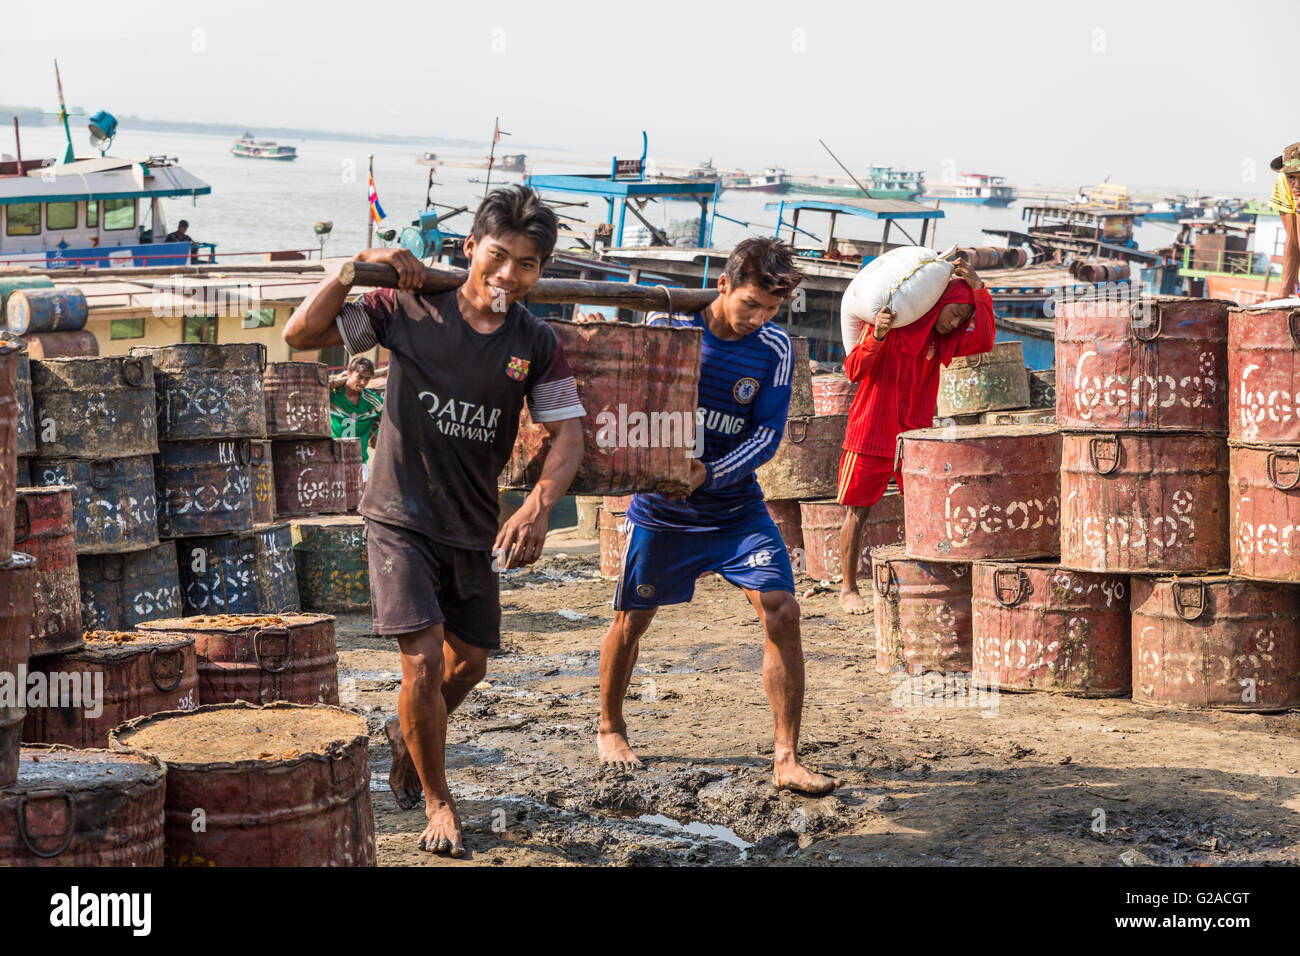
[(1285, 189), (723, 524), (355, 410), (899, 374), (462, 365)]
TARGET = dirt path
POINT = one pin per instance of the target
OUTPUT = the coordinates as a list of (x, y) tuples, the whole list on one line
[(1016, 779)]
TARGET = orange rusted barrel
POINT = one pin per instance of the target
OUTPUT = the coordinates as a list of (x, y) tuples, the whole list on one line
[(1144, 502), (1264, 375), (261, 658), (922, 613), (278, 785), (1215, 642), (1264, 523), (822, 520), (638, 385), (297, 396), (17, 577), (833, 394), (83, 808), (612, 532), (982, 491), (45, 529), (125, 674), (1150, 364), (310, 477), (806, 463), (1038, 626)]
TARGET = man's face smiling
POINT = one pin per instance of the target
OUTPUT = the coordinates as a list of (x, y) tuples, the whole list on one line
[(503, 268)]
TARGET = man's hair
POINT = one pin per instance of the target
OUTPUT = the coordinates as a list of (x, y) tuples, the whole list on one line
[(519, 210), (182, 225), (765, 262), (360, 363)]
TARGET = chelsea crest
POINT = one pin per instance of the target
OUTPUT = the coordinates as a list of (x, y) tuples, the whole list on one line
[(745, 390)]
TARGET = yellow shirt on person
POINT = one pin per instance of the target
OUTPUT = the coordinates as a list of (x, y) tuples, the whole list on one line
[(1283, 199)]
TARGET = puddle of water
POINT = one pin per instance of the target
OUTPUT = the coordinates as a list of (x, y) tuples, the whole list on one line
[(714, 831)]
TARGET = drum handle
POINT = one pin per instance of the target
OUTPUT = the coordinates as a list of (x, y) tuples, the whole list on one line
[(133, 370), (1180, 602), (1022, 585), (802, 435), (1271, 468), (1136, 317), (23, 802), (257, 648), (1293, 326), (153, 667), (1094, 458)]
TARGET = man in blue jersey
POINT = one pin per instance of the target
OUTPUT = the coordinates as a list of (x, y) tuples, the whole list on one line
[(723, 525)]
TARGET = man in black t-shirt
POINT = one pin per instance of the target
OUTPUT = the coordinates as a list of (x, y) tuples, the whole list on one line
[(462, 364)]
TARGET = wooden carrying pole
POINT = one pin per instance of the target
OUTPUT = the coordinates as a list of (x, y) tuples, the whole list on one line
[(626, 295)]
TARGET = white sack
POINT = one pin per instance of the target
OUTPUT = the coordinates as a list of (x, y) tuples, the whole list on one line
[(909, 279)]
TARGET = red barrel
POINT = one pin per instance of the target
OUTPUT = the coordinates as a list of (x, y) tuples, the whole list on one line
[(1264, 375), (309, 477), (45, 529), (349, 452), (1215, 642), (281, 785), (83, 808), (982, 491), (822, 521), (262, 472), (923, 614), (1042, 627), (833, 394), (638, 385), (16, 584), (1264, 491), (1149, 364), (806, 463), (789, 523), (612, 531), (126, 673), (297, 398), (261, 658), (1144, 502), (50, 345)]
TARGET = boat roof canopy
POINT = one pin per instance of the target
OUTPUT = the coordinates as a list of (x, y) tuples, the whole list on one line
[(866, 208), (103, 178)]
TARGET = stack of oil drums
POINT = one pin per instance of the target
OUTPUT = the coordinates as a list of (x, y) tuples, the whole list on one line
[(51, 322), (317, 484), (233, 557)]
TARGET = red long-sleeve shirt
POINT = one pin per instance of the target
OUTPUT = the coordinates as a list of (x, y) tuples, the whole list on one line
[(898, 391)]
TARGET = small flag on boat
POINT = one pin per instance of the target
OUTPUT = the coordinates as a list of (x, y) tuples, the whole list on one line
[(376, 210)]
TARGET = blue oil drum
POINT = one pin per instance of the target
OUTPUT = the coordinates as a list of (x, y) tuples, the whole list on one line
[(46, 310)]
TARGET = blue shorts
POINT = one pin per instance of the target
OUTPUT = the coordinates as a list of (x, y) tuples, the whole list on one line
[(660, 567)]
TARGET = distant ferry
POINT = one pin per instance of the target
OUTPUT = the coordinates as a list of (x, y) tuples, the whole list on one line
[(771, 180), (250, 148), (883, 182), (977, 189)]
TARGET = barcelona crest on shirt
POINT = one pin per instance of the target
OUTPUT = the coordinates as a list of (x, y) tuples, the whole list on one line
[(517, 369)]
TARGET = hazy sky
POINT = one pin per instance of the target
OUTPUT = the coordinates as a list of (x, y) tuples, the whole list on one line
[(1195, 94)]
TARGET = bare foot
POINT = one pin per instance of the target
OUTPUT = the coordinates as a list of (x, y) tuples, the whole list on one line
[(852, 602), (615, 752), (442, 835), (792, 775), (403, 778)]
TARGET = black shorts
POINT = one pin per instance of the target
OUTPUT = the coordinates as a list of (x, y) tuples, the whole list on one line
[(416, 582)]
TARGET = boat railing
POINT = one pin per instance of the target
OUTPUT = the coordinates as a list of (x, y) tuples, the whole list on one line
[(206, 255), (1226, 261)]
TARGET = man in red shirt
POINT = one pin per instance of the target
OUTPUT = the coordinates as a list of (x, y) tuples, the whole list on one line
[(899, 372)]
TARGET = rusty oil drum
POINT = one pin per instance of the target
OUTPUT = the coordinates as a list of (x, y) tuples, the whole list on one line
[(248, 573), (51, 345), (333, 563), (1264, 375), (26, 430), (204, 487), (802, 400), (46, 310), (350, 454), (922, 613), (294, 793), (132, 673), (1215, 642), (262, 476), (984, 382), (262, 657), (807, 462), (17, 576), (638, 384), (10, 354), (207, 391), (611, 528), (1038, 626), (982, 491), (309, 477), (83, 808), (785, 515), (1042, 388), (45, 529), (119, 591), (1151, 364), (94, 407), (12, 284), (1264, 520), (297, 396), (822, 520), (833, 394), (1144, 502), (115, 506)]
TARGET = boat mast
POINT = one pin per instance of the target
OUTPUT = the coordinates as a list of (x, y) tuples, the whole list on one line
[(68, 156)]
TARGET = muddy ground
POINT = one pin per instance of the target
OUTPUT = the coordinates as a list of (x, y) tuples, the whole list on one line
[(928, 780)]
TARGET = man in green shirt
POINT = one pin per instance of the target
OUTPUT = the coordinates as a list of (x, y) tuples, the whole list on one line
[(355, 409)]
